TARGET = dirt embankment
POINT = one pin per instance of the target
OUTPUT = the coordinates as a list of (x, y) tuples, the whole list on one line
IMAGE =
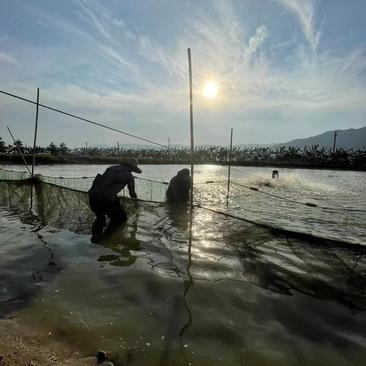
[(21, 345)]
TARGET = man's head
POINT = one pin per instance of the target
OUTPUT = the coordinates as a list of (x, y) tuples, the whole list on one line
[(131, 164), (184, 172)]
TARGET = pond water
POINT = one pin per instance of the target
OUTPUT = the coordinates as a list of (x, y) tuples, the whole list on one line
[(200, 288)]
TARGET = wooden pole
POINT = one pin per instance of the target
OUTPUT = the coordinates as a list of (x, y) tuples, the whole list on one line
[(20, 151), (119, 156), (229, 170), (35, 134), (334, 141), (191, 119)]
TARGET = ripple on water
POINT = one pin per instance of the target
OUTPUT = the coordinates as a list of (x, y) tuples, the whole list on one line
[(156, 292)]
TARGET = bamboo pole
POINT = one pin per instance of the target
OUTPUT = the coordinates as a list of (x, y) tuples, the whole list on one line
[(20, 151), (191, 119), (334, 141), (229, 170), (35, 134)]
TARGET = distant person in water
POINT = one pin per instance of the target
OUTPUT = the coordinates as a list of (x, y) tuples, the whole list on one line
[(179, 187), (103, 198), (275, 174)]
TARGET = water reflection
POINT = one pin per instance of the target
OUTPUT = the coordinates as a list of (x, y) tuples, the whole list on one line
[(220, 248), (188, 281), (120, 238), (208, 281)]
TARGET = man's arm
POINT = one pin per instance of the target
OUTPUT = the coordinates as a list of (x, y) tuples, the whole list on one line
[(131, 186)]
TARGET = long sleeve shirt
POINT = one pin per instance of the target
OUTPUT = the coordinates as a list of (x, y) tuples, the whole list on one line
[(112, 181)]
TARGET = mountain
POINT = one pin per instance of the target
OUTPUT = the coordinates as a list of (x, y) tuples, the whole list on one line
[(352, 138)]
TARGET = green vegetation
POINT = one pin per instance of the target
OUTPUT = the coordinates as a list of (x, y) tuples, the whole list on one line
[(312, 156)]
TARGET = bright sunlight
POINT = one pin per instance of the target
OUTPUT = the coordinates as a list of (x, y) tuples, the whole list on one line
[(210, 90)]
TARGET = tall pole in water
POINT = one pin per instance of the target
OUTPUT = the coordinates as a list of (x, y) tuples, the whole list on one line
[(35, 134), (334, 140), (229, 170), (191, 119)]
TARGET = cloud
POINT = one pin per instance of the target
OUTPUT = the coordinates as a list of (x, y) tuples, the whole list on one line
[(114, 70), (3, 39), (6, 58), (304, 10), (256, 41)]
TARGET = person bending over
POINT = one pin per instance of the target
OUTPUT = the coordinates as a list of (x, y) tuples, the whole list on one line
[(103, 198), (179, 187)]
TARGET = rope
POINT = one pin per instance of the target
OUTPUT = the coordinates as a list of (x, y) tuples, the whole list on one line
[(226, 214), (308, 204), (250, 174), (255, 189), (85, 119), (93, 177)]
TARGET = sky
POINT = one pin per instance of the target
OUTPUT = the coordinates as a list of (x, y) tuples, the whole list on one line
[(285, 69)]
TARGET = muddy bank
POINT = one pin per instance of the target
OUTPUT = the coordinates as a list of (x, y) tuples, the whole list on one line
[(21, 344)]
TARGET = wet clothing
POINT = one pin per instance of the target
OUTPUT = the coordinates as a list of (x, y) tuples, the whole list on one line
[(179, 187), (103, 198)]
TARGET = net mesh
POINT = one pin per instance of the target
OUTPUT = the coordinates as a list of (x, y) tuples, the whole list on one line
[(6, 174), (160, 234), (247, 203), (146, 189)]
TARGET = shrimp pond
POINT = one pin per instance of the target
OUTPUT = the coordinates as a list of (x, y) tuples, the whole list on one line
[(275, 277)]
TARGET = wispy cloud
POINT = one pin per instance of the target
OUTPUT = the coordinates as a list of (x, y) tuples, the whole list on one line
[(305, 11), (6, 58), (117, 71)]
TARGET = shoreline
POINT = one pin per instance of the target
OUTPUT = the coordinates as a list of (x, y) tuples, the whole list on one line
[(16, 159), (22, 344)]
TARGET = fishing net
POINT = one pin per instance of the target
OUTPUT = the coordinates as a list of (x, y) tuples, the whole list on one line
[(261, 204), (146, 189), (6, 174), (202, 247)]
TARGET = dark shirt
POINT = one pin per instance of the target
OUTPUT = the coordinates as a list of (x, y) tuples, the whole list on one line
[(178, 190), (112, 181)]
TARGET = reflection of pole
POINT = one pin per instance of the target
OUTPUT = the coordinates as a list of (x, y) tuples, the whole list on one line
[(191, 117), (229, 171), (20, 151), (35, 134), (334, 141), (188, 283)]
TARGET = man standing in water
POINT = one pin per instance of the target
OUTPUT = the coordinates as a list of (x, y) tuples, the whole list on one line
[(275, 174), (103, 198), (179, 187)]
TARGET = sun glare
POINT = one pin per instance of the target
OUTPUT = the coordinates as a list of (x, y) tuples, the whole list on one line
[(210, 90)]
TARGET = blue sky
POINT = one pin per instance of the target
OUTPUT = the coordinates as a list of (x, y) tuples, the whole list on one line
[(285, 68)]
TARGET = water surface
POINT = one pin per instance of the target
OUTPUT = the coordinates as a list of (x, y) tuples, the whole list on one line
[(170, 288)]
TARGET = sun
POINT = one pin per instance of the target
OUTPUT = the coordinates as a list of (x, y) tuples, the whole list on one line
[(210, 90)]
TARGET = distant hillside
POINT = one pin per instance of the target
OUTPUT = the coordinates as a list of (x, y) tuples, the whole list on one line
[(352, 138)]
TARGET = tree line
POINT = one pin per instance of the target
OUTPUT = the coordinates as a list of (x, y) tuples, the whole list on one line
[(309, 155)]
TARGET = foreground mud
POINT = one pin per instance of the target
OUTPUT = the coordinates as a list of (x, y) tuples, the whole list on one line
[(23, 345)]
